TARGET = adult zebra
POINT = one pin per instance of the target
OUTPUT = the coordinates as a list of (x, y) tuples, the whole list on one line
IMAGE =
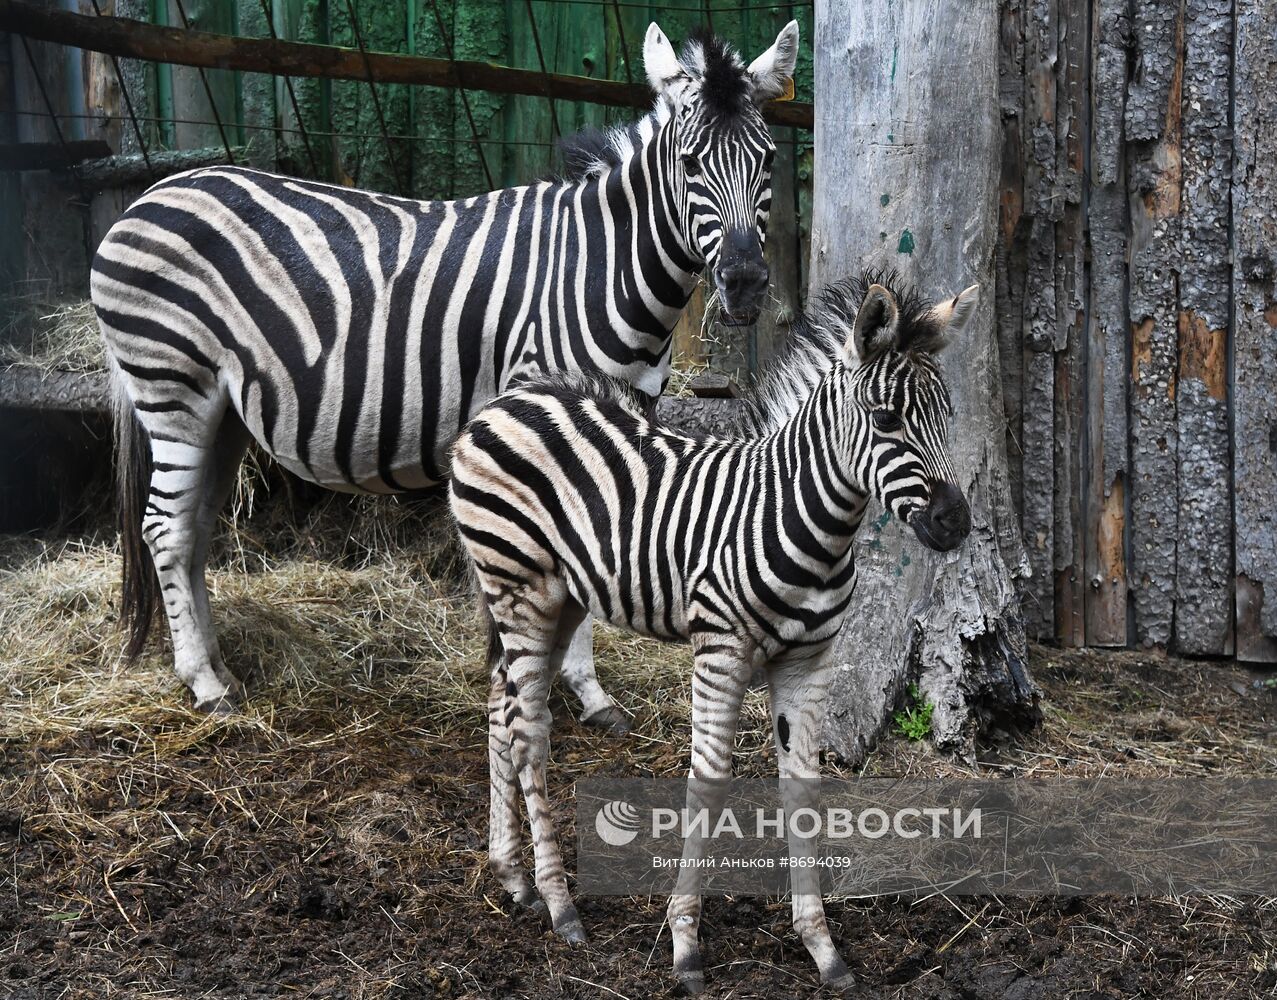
[(570, 500), (353, 334)]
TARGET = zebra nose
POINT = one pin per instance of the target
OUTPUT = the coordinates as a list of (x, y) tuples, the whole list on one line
[(949, 509), (744, 281)]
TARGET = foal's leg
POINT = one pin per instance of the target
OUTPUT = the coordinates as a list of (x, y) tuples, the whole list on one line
[(532, 642), (597, 708), (719, 681), (798, 710)]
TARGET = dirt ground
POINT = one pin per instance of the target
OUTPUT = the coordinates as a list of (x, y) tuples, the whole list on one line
[(329, 841)]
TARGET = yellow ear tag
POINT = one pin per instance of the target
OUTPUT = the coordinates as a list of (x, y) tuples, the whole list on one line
[(788, 95)]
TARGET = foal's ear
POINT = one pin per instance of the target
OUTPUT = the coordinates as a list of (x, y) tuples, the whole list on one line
[(954, 315), (877, 325), (665, 74), (772, 73)]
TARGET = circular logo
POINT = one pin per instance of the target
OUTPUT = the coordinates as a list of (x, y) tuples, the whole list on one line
[(617, 823)]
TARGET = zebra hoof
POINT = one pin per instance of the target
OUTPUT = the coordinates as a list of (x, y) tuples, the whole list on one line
[(839, 982), (690, 983), (611, 720), (224, 705), (572, 932)]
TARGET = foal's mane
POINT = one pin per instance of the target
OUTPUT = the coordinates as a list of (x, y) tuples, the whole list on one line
[(816, 341)]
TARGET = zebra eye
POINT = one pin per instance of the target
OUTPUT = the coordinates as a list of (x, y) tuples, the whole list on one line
[(691, 164), (768, 159), (886, 421)]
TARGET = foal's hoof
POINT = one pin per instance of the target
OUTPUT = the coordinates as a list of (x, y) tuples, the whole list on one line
[(690, 983), (223, 705), (572, 932), (611, 720), (839, 982)]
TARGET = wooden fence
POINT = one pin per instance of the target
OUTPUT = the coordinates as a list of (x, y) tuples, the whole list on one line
[(1137, 318)]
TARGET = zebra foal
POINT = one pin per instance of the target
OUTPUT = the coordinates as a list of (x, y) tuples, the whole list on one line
[(353, 334), (571, 501)]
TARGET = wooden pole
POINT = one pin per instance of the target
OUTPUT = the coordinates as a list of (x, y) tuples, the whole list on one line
[(122, 37), (1254, 199), (907, 147)]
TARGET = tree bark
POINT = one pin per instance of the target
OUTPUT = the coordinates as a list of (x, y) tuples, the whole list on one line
[(908, 141)]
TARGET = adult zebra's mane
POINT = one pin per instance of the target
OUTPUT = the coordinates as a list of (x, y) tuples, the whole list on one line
[(816, 342), (724, 89)]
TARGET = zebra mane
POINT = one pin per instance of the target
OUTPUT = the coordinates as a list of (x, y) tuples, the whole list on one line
[(725, 90), (816, 341)]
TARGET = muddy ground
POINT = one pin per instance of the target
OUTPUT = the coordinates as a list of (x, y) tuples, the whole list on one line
[(329, 842)]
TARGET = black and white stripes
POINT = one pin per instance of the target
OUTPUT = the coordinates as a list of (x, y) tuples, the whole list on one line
[(353, 334), (571, 500)]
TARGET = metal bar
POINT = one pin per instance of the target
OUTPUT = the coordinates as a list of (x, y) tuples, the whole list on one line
[(620, 34), (208, 91), (465, 100), (128, 103), (376, 101), (292, 97)]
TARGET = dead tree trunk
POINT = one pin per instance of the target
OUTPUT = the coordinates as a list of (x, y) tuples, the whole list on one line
[(907, 146)]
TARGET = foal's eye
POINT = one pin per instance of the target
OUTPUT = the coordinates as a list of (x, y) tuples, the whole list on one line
[(691, 164), (886, 421)]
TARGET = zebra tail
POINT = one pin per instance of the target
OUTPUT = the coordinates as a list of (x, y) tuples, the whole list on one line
[(140, 590), (496, 651)]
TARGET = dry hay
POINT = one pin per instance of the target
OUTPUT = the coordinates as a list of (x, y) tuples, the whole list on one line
[(328, 841), (51, 336)]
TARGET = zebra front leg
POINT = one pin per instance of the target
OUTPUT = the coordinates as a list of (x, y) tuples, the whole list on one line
[(798, 709), (719, 682), (527, 717), (597, 708)]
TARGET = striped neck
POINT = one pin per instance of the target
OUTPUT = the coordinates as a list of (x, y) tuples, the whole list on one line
[(818, 449)]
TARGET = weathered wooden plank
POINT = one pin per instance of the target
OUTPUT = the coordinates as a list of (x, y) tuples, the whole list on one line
[(1254, 203), (1204, 555), (1010, 261), (1070, 296), (197, 48), (1153, 130), (1040, 332), (113, 172), (33, 389), (1106, 539)]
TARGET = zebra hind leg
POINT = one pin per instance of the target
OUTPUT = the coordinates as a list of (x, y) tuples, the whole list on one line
[(597, 708), (222, 469), (798, 710), (531, 649), (182, 476)]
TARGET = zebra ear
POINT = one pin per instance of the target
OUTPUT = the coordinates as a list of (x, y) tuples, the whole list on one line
[(952, 317), (877, 324), (772, 73), (664, 72)]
